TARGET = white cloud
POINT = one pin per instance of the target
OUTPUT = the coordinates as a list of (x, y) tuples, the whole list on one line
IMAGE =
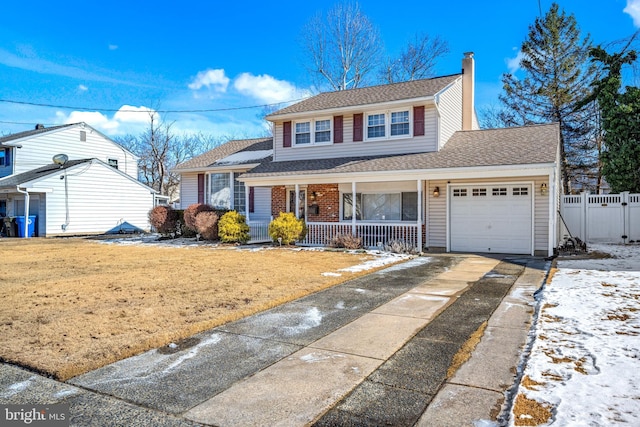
[(266, 88), (209, 78), (633, 9), (82, 88), (127, 120), (113, 46), (514, 63)]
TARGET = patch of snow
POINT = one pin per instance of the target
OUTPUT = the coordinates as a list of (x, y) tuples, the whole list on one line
[(381, 260), (586, 352), (310, 319), (244, 157), (320, 357), (66, 393), (330, 274)]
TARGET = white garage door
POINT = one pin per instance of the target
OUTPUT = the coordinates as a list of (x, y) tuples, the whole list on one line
[(491, 218)]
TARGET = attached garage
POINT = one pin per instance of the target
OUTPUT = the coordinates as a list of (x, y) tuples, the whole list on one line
[(494, 218)]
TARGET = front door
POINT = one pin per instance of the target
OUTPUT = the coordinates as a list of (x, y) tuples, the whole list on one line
[(301, 205)]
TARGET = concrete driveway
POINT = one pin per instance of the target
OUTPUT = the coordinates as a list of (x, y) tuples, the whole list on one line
[(372, 351)]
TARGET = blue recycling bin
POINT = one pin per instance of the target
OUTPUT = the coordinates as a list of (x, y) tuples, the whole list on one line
[(31, 225)]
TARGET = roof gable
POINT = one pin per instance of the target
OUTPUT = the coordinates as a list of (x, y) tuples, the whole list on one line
[(370, 95), (32, 132)]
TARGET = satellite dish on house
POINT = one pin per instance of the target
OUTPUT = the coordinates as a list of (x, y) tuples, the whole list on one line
[(60, 159)]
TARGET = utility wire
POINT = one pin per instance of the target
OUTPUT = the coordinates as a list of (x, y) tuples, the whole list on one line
[(209, 110)]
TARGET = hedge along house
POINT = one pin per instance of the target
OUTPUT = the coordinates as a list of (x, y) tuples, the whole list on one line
[(407, 161)]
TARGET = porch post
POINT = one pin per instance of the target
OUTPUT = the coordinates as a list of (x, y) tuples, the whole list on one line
[(246, 202), (419, 219), (353, 208), (297, 200)]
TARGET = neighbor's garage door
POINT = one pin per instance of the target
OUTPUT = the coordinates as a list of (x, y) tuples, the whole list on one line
[(491, 218)]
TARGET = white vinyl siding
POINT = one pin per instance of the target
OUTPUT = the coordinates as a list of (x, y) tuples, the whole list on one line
[(38, 150), (99, 199), (188, 189), (371, 147), (450, 109)]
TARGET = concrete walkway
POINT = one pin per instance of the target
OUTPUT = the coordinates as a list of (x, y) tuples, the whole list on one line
[(372, 351)]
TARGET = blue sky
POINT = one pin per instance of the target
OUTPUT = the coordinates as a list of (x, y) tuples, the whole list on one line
[(114, 58)]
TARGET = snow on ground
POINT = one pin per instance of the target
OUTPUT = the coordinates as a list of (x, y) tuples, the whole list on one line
[(585, 360)]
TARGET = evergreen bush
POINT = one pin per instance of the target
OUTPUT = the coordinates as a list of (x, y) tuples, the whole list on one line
[(164, 220), (233, 228), (207, 225), (192, 211), (288, 228)]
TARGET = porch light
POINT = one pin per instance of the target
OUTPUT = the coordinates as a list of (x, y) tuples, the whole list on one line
[(543, 189), (436, 192)]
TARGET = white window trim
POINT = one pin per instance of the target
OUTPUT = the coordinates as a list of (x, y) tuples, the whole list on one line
[(365, 221), (387, 124), (312, 129)]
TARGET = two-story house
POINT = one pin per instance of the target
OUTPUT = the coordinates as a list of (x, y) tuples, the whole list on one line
[(407, 161), (90, 187)]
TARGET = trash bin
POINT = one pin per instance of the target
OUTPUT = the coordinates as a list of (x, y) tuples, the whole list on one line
[(31, 225), (9, 226)]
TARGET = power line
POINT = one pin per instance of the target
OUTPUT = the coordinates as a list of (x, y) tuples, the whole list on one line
[(112, 110)]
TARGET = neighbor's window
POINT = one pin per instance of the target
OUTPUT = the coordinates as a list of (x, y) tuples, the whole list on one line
[(4, 156), (113, 163), (220, 196), (381, 206), (3, 208)]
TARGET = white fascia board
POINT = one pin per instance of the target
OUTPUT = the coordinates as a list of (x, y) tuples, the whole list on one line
[(32, 189), (355, 108), (226, 168), (483, 172)]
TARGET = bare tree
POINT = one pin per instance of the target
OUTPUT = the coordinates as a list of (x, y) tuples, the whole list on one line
[(417, 61), (341, 48)]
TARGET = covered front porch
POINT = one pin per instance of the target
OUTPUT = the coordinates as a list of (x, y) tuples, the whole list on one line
[(383, 212)]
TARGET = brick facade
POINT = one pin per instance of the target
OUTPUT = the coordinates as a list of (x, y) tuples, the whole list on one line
[(325, 196)]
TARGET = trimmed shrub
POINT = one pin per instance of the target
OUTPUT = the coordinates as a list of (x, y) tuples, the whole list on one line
[(207, 225), (288, 228), (164, 220), (192, 211), (346, 241), (233, 228)]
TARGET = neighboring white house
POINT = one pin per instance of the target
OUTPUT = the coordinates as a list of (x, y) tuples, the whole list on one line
[(407, 161), (95, 190)]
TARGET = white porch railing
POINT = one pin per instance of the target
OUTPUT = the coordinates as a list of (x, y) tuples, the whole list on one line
[(372, 234), (259, 231)]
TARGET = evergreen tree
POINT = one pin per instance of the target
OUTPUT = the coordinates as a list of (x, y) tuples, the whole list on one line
[(557, 76), (620, 122)]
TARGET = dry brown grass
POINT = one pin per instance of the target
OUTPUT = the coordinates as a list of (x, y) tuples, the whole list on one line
[(68, 306), (465, 351), (529, 412)]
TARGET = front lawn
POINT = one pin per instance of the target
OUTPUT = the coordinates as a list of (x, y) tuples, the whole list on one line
[(68, 306)]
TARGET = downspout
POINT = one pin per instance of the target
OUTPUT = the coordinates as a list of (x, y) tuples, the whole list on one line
[(26, 210)]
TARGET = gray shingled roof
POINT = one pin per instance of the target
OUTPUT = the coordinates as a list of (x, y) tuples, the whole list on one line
[(13, 180), (210, 157), (369, 95), (31, 132), (493, 147)]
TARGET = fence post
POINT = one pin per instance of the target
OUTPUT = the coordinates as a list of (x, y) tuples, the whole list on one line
[(584, 206), (626, 217)]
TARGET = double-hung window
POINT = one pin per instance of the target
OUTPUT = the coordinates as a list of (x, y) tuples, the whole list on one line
[(391, 124), (313, 132)]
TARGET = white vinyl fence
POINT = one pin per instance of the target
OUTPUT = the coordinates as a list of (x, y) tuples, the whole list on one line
[(610, 218)]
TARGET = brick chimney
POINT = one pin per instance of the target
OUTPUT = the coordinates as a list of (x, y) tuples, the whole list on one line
[(468, 90)]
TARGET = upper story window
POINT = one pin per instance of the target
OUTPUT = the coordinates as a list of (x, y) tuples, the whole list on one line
[(113, 163), (388, 125), (5, 154), (313, 132)]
